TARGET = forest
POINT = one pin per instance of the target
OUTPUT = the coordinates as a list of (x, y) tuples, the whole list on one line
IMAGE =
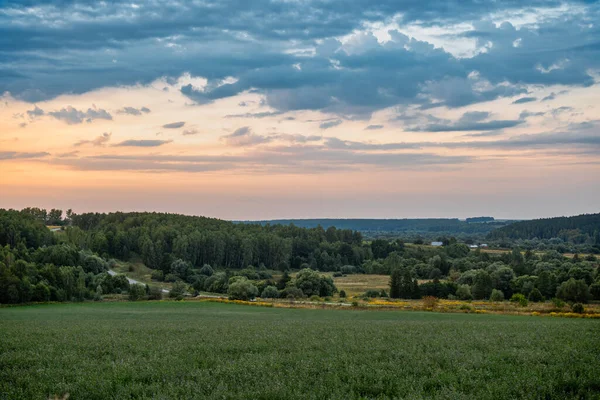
[(209, 255)]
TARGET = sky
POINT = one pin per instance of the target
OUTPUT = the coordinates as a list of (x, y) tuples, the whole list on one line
[(301, 109)]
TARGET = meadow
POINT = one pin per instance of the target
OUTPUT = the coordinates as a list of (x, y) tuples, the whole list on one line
[(167, 350)]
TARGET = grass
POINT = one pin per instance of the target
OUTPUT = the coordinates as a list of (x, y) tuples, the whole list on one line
[(167, 350), (358, 284)]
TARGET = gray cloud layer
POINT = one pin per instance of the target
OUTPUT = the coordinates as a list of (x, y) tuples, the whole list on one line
[(288, 51)]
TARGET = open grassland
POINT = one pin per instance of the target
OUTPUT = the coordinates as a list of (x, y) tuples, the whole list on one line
[(358, 284), (209, 350)]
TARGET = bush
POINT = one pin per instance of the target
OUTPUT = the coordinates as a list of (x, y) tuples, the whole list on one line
[(463, 292), (314, 297), (170, 278), (136, 291), (355, 304), (574, 290), (157, 275), (178, 289), (429, 302), (155, 293), (242, 289), (311, 282), (536, 296), (558, 303), (292, 292), (337, 274), (270, 292), (342, 294), (577, 308), (497, 295), (206, 270), (519, 298), (372, 293)]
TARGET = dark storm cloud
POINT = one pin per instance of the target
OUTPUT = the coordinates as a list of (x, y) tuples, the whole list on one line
[(56, 47)]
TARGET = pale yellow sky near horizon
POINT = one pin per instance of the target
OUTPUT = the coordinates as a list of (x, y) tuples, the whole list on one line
[(267, 181)]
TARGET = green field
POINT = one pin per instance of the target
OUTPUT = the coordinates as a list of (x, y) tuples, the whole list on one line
[(185, 350)]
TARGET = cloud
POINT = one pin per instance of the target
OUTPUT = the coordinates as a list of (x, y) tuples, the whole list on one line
[(255, 115), (470, 121), (36, 112), (188, 132), (524, 100), (555, 112), (330, 124), (373, 127), (301, 64), (15, 155), (174, 125), (142, 143), (133, 111), (526, 114), (243, 137), (553, 95), (297, 138), (99, 141), (68, 154), (73, 116)]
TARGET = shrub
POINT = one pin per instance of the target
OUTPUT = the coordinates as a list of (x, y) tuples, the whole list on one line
[(155, 293), (242, 289), (430, 302), (170, 278), (136, 291), (463, 292), (577, 308), (558, 303), (535, 295), (383, 293), (157, 275), (355, 304), (311, 282), (337, 274), (206, 270), (342, 294), (131, 268), (371, 293), (519, 298), (314, 297), (595, 290), (292, 292), (178, 289), (497, 295), (270, 292), (574, 290)]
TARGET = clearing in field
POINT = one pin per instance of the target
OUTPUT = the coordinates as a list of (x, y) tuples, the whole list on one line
[(209, 350)]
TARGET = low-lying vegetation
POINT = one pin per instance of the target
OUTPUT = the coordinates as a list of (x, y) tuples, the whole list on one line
[(211, 350)]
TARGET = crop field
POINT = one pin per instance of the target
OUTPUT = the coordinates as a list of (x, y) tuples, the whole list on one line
[(168, 350)]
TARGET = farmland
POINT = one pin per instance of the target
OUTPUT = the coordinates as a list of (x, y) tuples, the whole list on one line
[(211, 350)]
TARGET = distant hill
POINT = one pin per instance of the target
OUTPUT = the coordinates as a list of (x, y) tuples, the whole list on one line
[(548, 228), (420, 225)]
